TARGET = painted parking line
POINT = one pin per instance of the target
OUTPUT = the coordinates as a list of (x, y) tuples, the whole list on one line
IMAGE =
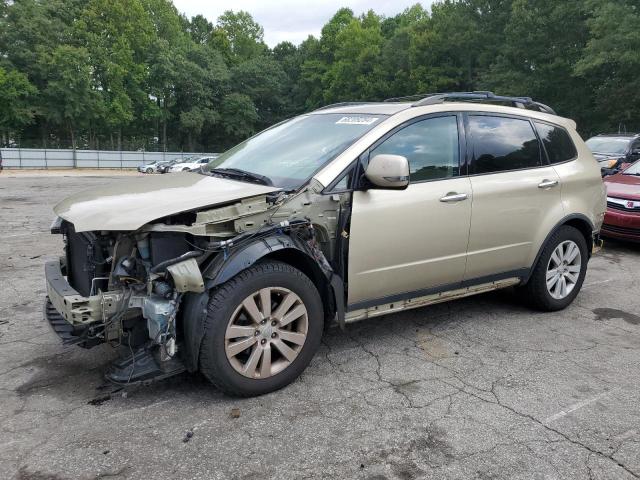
[(576, 406)]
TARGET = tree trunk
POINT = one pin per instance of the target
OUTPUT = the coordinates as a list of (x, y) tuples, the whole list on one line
[(73, 136), (164, 125), (43, 133), (91, 138), (113, 147), (119, 139)]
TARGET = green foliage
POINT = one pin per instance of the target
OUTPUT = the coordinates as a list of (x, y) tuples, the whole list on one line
[(69, 98), (16, 94), (611, 61), (244, 35), (137, 74), (240, 116)]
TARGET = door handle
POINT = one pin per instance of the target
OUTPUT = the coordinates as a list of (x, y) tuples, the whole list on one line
[(454, 197), (547, 183)]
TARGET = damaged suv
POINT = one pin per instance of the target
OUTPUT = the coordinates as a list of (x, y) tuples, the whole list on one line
[(352, 211)]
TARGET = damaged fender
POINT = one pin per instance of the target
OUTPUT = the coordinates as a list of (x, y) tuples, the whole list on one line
[(297, 244)]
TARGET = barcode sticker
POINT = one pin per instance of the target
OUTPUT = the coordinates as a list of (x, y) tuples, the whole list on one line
[(359, 120)]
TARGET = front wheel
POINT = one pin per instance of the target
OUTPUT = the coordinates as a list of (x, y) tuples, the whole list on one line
[(262, 329), (149, 170), (560, 271)]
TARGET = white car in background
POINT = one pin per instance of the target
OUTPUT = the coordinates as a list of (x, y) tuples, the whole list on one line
[(190, 164), (153, 167)]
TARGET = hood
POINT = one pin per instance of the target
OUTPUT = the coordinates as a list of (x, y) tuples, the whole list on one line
[(623, 186), (129, 204)]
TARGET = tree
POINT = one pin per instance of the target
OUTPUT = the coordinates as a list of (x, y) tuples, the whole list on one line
[(139, 74), (16, 102), (263, 80), (200, 29), (540, 53), (352, 75), (70, 98), (245, 36), (610, 63), (240, 116), (117, 35)]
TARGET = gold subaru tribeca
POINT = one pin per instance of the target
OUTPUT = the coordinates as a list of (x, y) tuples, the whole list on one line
[(352, 211)]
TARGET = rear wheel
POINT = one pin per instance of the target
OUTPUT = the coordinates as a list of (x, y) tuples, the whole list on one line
[(558, 276), (262, 329)]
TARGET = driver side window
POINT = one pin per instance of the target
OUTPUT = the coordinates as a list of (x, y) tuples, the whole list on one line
[(430, 145)]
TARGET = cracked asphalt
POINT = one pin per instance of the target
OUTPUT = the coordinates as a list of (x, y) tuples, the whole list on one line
[(478, 388)]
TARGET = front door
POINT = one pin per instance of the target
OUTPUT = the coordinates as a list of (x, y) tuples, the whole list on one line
[(403, 242)]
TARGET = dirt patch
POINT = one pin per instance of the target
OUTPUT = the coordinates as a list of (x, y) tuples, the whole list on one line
[(434, 347)]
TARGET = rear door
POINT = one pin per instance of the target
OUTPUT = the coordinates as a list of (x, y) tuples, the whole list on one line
[(515, 192), (405, 241)]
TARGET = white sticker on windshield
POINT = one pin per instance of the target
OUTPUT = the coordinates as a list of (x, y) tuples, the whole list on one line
[(357, 120)]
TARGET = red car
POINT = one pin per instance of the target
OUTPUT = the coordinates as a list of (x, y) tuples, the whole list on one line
[(622, 219)]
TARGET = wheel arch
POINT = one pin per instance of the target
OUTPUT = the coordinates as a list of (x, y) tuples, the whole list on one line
[(307, 265), (280, 247), (579, 222)]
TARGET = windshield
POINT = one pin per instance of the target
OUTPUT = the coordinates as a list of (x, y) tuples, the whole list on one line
[(633, 169), (608, 145), (291, 152)]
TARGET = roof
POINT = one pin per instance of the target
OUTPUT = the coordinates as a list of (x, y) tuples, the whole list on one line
[(371, 108), (392, 106)]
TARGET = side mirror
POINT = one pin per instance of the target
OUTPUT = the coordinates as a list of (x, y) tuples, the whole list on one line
[(388, 171)]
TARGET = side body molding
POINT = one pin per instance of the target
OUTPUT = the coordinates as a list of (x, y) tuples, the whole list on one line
[(295, 245)]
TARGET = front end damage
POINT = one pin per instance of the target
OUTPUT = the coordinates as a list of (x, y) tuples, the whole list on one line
[(136, 289)]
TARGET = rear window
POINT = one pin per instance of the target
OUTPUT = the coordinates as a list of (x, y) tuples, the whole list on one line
[(501, 144), (557, 143)]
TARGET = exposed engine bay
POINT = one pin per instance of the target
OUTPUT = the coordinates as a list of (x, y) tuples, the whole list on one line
[(131, 289)]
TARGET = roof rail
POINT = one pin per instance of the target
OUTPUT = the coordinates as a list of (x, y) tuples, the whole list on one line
[(479, 96), (340, 104)]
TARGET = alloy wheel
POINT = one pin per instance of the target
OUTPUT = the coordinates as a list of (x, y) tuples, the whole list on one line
[(563, 269), (266, 332)]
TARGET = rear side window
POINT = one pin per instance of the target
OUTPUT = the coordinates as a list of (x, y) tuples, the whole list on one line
[(500, 144), (430, 145), (557, 143)]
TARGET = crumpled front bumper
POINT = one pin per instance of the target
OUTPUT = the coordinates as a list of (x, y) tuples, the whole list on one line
[(74, 308), (59, 306)]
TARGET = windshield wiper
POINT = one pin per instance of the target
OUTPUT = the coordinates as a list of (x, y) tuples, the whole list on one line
[(243, 174)]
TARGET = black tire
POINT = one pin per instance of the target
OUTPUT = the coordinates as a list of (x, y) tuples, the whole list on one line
[(535, 292), (214, 364), (149, 170)]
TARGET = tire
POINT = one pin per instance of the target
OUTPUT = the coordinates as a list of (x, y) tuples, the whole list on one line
[(226, 311), (536, 292), (149, 170)]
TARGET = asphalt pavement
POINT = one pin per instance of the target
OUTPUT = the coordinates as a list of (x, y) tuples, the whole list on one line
[(478, 388)]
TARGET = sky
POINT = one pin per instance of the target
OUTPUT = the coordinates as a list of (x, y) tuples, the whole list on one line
[(291, 20)]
